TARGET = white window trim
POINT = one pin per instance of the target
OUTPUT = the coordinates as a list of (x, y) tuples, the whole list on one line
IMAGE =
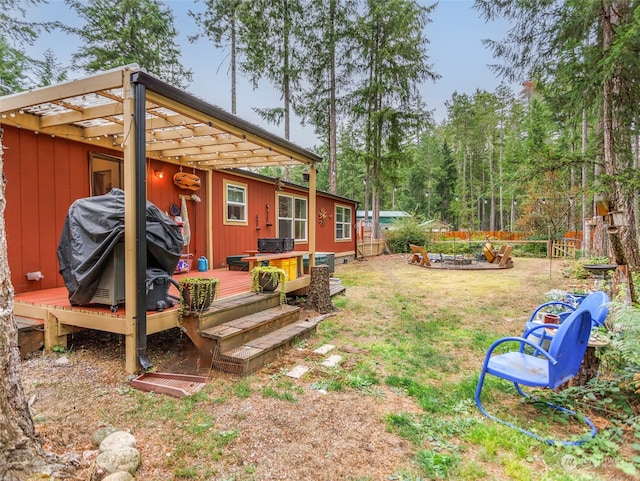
[(294, 219), (225, 204), (347, 231)]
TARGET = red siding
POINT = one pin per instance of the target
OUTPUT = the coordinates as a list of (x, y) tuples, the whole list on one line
[(163, 192), (45, 175), (233, 240)]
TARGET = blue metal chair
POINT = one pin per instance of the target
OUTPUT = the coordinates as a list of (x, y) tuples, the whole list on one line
[(544, 368), (597, 303)]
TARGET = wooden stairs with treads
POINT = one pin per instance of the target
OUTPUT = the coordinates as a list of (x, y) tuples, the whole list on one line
[(241, 334)]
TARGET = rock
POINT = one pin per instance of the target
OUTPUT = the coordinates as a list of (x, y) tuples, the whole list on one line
[(62, 361), (119, 439), (119, 476), (102, 433), (120, 459)]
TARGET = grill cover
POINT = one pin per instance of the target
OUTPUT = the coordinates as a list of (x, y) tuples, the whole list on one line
[(92, 228)]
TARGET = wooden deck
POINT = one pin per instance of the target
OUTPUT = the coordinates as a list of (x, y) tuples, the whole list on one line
[(231, 284), (51, 307)]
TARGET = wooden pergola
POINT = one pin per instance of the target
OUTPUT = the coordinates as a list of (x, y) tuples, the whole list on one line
[(128, 110)]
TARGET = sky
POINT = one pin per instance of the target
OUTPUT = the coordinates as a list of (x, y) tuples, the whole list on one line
[(455, 52)]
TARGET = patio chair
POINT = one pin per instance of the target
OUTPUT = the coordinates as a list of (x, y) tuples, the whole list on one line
[(543, 369), (504, 255), (419, 255), (415, 254), (597, 303)]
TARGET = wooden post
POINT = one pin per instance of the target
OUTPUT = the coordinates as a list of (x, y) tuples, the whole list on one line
[(129, 164), (319, 298)]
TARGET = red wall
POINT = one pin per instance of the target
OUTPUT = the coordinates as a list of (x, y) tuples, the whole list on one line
[(45, 175), (233, 240)]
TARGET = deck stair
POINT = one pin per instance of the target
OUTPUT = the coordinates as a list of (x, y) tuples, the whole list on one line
[(247, 332)]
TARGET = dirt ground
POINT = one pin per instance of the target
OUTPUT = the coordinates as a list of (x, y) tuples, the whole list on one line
[(323, 436)]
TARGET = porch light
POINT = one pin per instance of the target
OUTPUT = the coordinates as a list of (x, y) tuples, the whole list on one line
[(159, 174)]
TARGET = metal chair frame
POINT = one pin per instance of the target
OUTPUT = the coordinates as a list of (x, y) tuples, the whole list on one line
[(542, 369)]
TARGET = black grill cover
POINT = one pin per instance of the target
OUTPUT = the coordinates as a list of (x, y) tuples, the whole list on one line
[(94, 225)]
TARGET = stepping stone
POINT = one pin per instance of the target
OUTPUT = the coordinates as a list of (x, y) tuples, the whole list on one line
[(297, 372), (332, 361), (324, 349)]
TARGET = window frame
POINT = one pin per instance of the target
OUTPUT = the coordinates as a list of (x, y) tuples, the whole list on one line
[(105, 173), (294, 219), (349, 229), (225, 204)]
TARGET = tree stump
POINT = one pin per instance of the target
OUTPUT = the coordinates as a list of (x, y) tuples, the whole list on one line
[(588, 368), (319, 298)]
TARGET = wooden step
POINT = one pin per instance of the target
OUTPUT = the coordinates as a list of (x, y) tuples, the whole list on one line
[(336, 288), (239, 331), (251, 356), (30, 334), (226, 309)]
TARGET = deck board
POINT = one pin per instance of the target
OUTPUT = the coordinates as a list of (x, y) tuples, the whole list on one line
[(232, 283)]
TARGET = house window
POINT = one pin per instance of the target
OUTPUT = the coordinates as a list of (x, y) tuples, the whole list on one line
[(235, 203), (106, 173), (292, 217), (343, 222)]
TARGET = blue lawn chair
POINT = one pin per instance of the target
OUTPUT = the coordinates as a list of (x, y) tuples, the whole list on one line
[(544, 368), (597, 303)]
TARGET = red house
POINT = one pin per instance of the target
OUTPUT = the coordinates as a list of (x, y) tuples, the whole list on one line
[(124, 128)]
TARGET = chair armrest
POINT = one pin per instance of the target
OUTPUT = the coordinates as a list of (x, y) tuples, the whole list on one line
[(550, 303), (538, 327), (522, 342)]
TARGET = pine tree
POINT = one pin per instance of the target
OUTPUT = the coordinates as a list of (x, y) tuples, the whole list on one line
[(393, 62), (328, 45), (15, 65), (588, 51), (221, 22), (122, 32)]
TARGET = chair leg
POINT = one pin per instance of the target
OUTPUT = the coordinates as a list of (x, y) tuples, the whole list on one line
[(529, 433)]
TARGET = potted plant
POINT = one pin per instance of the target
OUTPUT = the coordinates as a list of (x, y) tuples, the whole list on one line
[(267, 278), (197, 293)]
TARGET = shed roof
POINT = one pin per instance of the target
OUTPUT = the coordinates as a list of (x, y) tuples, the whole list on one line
[(180, 128), (385, 214)]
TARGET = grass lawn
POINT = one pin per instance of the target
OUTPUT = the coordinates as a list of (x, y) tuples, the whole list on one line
[(398, 406)]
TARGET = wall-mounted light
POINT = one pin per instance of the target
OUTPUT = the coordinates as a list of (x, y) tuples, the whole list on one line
[(159, 174)]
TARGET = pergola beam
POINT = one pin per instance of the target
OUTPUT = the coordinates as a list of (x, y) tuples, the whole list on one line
[(110, 79)]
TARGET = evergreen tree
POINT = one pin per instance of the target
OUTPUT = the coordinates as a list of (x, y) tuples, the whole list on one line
[(49, 71), (15, 65), (393, 62), (590, 49), (329, 43), (22, 455), (221, 22), (12, 69), (121, 32), (274, 32)]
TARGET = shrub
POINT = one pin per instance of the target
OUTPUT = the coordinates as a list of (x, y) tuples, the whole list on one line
[(405, 231)]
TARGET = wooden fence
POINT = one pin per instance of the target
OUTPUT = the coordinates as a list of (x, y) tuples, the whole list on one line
[(566, 248)]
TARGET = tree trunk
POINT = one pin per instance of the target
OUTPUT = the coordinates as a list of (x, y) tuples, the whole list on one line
[(234, 51), (588, 368), (333, 121), (319, 298), (21, 455), (612, 124), (586, 213)]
